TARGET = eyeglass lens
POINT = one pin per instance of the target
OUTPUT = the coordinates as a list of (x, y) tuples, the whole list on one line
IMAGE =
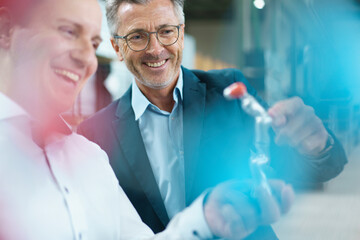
[(167, 35)]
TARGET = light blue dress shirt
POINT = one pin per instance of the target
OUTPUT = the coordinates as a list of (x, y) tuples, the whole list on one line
[(162, 133)]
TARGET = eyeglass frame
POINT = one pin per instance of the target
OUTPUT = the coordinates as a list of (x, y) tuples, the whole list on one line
[(116, 37)]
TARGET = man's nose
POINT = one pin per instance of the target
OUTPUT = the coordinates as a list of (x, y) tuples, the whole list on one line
[(84, 53), (154, 47)]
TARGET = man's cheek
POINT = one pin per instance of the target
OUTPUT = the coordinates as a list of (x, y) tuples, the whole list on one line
[(33, 45), (42, 47)]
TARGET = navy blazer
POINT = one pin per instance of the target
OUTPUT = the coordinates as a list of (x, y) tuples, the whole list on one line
[(218, 139)]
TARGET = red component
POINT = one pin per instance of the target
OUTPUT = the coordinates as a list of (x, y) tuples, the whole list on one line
[(236, 90)]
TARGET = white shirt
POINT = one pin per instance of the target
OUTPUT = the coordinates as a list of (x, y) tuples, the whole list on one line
[(71, 194), (162, 134)]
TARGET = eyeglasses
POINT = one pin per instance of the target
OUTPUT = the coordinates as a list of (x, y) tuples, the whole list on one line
[(139, 40)]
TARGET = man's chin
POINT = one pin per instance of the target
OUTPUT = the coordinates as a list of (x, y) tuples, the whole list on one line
[(156, 84), (57, 108)]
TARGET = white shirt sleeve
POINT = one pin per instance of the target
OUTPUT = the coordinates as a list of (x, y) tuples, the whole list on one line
[(189, 224), (131, 225)]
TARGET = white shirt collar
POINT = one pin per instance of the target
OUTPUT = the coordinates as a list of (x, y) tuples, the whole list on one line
[(10, 109)]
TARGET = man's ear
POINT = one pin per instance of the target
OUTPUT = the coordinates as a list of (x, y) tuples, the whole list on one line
[(5, 28), (117, 49)]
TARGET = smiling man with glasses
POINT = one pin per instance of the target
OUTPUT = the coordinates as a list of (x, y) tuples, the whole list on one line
[(151, 45), (173, 134)]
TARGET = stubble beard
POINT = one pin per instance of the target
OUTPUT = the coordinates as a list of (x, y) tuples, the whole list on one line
[(150, 83)]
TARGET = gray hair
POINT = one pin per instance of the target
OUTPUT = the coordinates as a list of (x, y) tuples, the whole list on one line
[(112, 7)]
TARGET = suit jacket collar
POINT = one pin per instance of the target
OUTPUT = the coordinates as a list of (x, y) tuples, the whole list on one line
[(193, 117), (130, 141)]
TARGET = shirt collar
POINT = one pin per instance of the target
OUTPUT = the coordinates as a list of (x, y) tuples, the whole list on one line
[(179, 86), (140, 103), (10, 109)]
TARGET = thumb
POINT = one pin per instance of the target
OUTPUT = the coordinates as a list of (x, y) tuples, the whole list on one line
[(278, 117)]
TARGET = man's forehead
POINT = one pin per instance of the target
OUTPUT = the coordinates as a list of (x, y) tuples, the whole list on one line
[(150, 6), (20, 9), (156, 11), (76, 10)]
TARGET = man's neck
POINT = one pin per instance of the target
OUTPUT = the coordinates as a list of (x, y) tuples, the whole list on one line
[(162, 98), (41, 114)]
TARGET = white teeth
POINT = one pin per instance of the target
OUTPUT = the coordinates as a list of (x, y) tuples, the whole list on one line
[(158, 64), (74, 77)]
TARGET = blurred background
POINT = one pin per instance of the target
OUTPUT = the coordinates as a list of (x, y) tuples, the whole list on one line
[(285, 48)]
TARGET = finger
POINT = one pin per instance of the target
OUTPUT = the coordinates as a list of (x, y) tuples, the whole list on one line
[(247, 210), (278, 119), (268, 206), (287, 198), (298, 128), (241, 201), (283, 193), (314, 143), (242, 195), (235, 226), (229, 210), (302, 134), (288, 133), (284, 109)]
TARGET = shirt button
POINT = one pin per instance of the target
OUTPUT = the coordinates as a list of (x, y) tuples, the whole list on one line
[(172, 118), (66, 190), (80, 236)]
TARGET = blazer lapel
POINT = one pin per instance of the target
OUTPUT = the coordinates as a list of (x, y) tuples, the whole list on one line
[(193, 110), (131, 143)]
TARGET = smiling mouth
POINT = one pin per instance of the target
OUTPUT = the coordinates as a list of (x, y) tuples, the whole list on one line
[(68, 75), (156, 65)]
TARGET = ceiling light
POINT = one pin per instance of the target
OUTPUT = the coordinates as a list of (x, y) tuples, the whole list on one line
[(259, 4)]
